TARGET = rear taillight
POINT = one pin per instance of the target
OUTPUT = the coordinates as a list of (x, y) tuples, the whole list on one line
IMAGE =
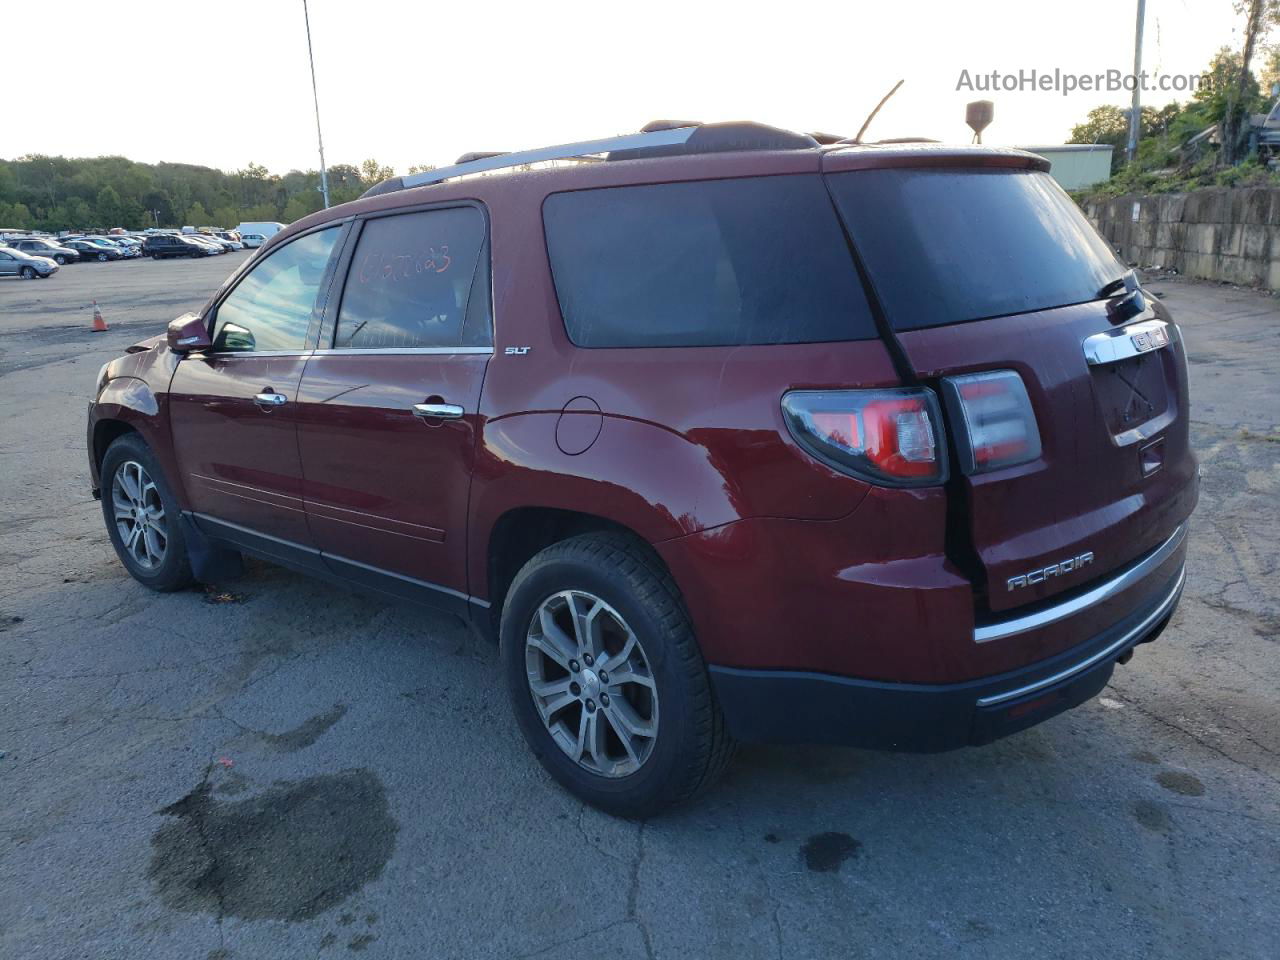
[(993, 420), (891, 436)]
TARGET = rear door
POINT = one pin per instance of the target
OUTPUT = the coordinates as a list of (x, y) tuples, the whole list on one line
[(233, 409), (987, 269), (388, 408)]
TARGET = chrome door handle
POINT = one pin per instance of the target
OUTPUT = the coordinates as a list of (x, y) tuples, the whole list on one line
[(269, 399), (438, 411)]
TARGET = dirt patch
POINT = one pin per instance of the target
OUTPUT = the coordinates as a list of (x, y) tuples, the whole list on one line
[(287, 854)]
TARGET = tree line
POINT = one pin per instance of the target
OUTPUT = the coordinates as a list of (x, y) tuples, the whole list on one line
[(1171, 155), (39, 192)]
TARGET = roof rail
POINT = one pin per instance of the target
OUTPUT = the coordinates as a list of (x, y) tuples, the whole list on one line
[(658, 138)]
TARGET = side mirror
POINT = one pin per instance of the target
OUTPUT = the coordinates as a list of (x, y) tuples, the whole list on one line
[(187, 333)]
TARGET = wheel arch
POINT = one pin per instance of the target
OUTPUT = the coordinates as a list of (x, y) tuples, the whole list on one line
[(128, 405), (521, 533)]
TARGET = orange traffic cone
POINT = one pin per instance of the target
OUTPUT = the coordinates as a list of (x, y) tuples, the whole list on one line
[(99, 325)]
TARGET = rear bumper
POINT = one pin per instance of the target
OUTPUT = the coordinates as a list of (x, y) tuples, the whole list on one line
[(784, 706)]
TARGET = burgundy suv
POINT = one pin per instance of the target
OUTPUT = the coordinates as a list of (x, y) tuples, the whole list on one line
[(727, 434)]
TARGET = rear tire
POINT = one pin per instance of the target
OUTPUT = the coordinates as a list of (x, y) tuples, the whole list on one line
[(619, 585), (141, 514)]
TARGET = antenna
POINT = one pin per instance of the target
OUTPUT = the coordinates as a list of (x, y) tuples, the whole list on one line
[(866, 123)]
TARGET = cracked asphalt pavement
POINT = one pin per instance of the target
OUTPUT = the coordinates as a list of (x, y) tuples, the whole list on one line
[(276, 768)]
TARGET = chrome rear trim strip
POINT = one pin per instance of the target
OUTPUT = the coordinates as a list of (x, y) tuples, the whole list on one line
[(1112, 346), (1069, 608), (1111, 650)]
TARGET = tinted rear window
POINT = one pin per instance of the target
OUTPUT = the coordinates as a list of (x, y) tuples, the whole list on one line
[(715, 262), (418, 280), (944, 246)]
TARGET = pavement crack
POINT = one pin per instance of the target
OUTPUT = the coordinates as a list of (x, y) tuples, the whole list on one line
[(633, 893), (1152, 715)]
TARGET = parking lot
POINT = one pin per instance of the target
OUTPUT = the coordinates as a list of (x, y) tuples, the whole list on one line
[(275, 768)]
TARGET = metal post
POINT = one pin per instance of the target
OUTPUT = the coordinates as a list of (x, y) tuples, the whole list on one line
[(324, 173), (1135, 111)]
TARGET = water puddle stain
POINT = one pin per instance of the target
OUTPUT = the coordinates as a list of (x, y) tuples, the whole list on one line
[(1176, 781), (307, 733), (289, 853), (825, 852)]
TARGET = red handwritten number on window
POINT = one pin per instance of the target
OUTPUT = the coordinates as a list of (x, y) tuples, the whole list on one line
[(377, 265)]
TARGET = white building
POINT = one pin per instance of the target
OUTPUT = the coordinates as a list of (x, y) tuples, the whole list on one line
[(1076, 165)]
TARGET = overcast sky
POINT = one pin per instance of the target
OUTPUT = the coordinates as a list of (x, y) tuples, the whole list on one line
[(225, 82)]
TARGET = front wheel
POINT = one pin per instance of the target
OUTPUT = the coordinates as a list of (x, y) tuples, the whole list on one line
[(28, 273), (606, 679), (141, 514), (60, 260), (102, 258)]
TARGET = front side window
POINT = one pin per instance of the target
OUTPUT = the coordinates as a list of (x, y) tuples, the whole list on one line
[(272, 306), (418, 280), (758, 260)]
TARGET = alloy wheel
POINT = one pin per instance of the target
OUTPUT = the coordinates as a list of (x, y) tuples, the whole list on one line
[(139, 515), (591, 683)]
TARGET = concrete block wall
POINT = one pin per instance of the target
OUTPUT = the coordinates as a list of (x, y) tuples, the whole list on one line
[(1230, 234)]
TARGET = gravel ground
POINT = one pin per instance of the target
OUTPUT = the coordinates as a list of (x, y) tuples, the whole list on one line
[(281, 769)]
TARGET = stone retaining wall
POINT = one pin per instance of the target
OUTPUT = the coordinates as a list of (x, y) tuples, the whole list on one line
[(1214, 234)]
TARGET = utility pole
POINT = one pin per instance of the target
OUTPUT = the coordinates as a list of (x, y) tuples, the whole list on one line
[(324, 173), (1135, 111)]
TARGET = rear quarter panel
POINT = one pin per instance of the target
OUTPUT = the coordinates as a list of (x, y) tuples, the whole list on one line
[(689, 438)]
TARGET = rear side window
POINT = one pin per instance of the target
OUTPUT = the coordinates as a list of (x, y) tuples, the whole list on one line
[(418, 280), (945, 246), (716, 262)]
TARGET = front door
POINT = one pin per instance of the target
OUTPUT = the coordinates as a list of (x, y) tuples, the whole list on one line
[(387, 416), (233, 408)]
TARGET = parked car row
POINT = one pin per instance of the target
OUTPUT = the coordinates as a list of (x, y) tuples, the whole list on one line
[(40, 256)]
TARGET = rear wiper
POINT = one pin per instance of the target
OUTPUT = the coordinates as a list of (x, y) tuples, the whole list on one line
[(1128, 282)]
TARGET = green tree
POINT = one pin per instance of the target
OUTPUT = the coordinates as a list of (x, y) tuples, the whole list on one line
[(198, 216), (422, 168), (1260, 16), (300, 205), (1110, 124), (226, 216), (16, 215), (372, 172), (107, 208)]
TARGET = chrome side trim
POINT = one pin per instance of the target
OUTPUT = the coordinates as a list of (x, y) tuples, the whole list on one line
[(658, 138), (1103, 591), (246, 354), (1134, 340), (397, 351), (1111, 650)]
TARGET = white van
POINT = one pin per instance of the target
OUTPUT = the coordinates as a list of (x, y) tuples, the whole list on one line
[(264, 228)]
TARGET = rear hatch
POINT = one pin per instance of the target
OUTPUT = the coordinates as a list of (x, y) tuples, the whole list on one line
[(981, 263)]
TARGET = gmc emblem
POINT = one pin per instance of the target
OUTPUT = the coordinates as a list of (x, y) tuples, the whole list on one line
[(1070, 565), (1150, 340)]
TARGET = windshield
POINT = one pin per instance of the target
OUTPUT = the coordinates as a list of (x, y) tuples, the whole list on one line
[(945, 246)]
